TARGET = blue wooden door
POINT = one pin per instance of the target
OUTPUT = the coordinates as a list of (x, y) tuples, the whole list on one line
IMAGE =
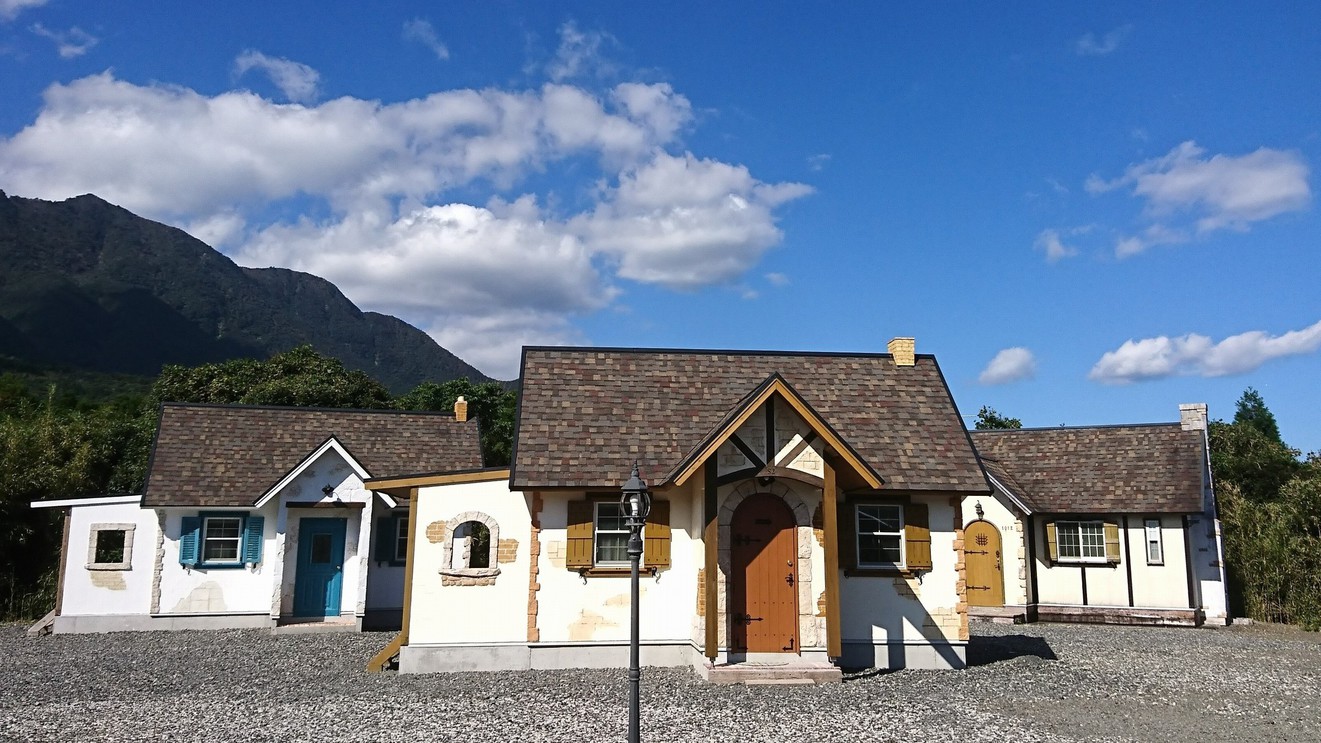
[(320, 577)]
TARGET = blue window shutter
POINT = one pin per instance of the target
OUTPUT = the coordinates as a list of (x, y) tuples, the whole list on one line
[(188, 540), (252, 539), (384, 539)]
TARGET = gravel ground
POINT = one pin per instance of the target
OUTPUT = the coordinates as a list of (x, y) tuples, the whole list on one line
[(1029, 683)]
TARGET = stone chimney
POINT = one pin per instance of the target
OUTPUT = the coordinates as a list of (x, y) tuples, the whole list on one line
[(1192, 416), (902, 349), (461, 409)]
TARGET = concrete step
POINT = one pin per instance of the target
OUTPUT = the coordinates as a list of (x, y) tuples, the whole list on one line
[(763, 673)]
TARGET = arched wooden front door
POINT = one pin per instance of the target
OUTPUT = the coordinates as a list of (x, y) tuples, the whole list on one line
[(981, 550), (764, 609)]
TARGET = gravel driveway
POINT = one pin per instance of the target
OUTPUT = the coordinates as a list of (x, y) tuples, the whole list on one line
[(1030, 683)]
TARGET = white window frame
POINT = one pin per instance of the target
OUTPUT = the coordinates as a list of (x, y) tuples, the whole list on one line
[(858, 534), (205, 538), (94, 534), (1077, 526), (597, 531), (1153, 538), (400, 522)]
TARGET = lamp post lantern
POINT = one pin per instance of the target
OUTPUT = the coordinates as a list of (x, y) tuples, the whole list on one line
[(635, 502)]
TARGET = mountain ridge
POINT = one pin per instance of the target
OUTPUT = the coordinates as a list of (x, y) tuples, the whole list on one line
[(90, 285)]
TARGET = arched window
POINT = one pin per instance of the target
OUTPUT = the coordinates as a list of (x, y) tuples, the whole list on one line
[(472, 546)]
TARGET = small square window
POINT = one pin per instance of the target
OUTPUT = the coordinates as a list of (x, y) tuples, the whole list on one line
[(1082, 541), (221, 539), (110, 547)]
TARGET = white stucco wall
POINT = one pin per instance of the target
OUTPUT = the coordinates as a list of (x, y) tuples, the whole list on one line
[(107, 592), (457, 614), (237, 590)]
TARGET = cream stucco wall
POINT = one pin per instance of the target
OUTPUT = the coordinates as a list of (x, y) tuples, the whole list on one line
[(909, 609), (470, 614), (102, 592), (1013, 542), (574, 609), (236, 590), (1154, 586)]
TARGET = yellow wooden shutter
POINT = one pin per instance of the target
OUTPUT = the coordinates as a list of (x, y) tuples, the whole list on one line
[(917, 537), (656, 545), (1052, 546), (1112, 542), (578, 553), (848, 540)]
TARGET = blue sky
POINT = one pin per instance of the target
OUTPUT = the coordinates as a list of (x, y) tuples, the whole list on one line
[(1089, 215)]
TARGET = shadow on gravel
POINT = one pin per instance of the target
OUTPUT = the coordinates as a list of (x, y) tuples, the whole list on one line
[(984, 650)]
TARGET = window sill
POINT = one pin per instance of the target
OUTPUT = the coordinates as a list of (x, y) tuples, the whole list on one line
[(109, 566), (613, 572), (471, 572), (880, 572), (217, 566), (1070, 562)]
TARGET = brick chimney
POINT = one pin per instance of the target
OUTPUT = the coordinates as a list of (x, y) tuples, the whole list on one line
[(902, 349), (461, 409), (1192, 416)]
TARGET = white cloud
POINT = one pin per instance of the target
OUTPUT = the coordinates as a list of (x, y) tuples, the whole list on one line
[(69, 44), (580, 55), (1197, 355), (1009, 365), (482, 279), (421, 31), (682, 222), (777, 279), (816, 163), (1092, 46), (9, 9), (1052, 245), (296, 81), (1187, 194)]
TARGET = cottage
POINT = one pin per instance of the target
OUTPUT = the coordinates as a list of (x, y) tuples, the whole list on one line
[(1101, 523), (807, 511), (255, 517)]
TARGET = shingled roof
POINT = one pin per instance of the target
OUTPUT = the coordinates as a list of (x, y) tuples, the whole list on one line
[(586, 413), (229, 456), (1154, 468)]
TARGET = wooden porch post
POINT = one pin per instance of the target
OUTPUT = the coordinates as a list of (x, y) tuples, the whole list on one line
[(710, 535), (830, 512)]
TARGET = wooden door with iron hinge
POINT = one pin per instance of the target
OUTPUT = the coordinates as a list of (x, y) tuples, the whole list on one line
[(764, 609), (985, 564)]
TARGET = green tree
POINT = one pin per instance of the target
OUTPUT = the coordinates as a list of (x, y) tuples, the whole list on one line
[(989, 419), (300, 376), (491, 404), (1252, 411), (1256, 464)]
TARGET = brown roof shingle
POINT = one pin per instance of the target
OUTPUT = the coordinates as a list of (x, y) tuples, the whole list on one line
[(586, 413), (229, 456), (1154, 468)]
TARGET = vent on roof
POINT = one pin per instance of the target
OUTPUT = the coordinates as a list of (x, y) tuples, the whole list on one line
[(903, 351)]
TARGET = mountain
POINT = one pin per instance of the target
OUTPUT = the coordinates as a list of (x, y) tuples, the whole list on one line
[(88, 285)]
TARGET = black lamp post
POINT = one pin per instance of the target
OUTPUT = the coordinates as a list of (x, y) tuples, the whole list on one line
[(636, 504)]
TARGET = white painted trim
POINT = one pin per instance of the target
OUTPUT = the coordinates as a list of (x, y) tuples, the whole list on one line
[(389, 501), (1000, 486), (105, 500), (331, 443)]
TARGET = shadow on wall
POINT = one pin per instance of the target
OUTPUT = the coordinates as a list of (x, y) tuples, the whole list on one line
[(983, 650)]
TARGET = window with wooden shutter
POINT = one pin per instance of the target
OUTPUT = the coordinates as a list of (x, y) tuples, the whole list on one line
[(578, 551), (917, 537), (846, 525), (1083, 541), (656, 544), (1052, 542), (384, 539)]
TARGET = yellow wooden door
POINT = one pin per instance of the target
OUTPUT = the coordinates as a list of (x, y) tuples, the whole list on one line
[(985, 564)]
